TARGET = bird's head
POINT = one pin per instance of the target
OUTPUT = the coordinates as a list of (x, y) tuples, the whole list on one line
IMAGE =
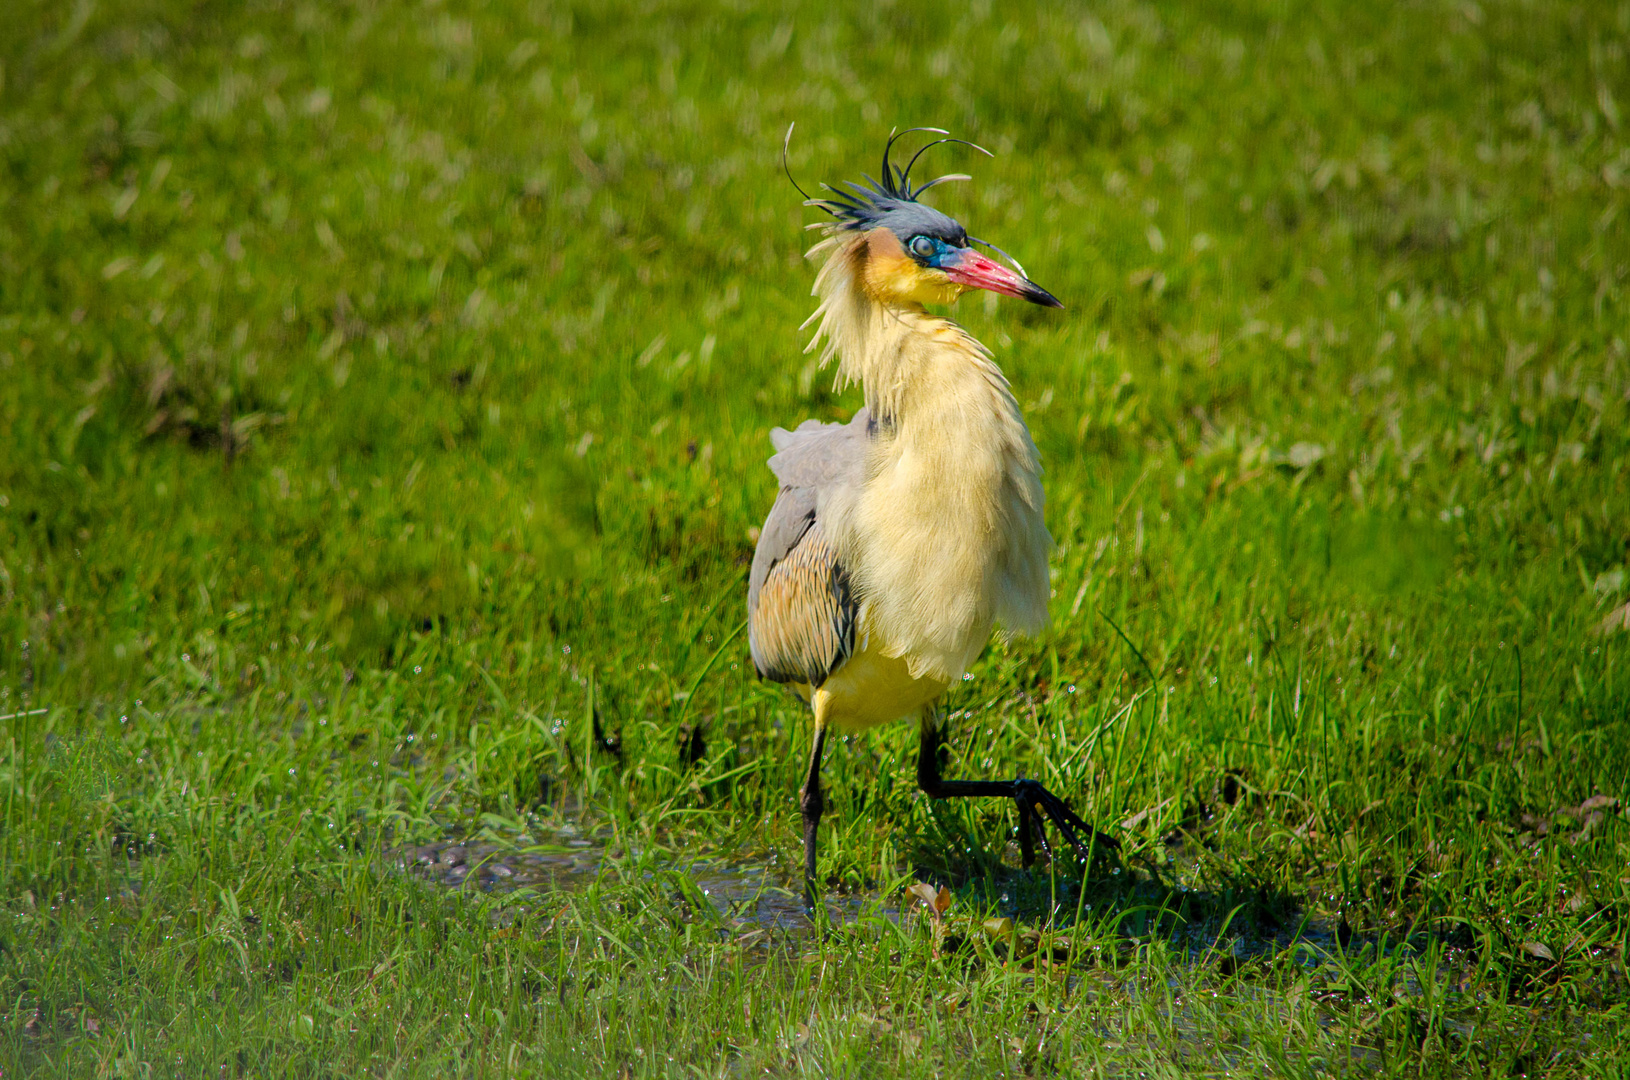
[(915, 253)]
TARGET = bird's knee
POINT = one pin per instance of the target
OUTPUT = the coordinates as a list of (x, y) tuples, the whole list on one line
[(811, 801)]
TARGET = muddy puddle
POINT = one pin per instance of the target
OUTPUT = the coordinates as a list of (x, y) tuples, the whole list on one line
[(746, 892)]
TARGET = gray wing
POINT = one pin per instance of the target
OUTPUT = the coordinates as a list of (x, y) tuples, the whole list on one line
[(800, 608)]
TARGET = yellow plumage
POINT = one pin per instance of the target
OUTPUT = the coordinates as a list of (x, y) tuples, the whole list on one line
[(946, 538)]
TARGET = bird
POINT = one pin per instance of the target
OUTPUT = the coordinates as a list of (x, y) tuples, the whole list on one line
[(900, 541)]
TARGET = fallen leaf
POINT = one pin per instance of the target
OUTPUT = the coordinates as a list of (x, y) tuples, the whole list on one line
[(1137, 819), (1617, 619), (1536, 949), (1303, 454), (937, 901)]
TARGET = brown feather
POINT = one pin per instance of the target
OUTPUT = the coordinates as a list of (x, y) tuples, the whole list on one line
[(802, 623)]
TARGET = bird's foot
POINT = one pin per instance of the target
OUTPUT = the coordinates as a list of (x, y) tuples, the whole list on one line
[(1034, 801)]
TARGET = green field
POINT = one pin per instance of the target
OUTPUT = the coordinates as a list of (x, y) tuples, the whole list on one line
[(384, 393)]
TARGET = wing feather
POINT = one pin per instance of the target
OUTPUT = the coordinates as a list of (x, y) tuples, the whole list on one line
[(801, 610), (801, 626)]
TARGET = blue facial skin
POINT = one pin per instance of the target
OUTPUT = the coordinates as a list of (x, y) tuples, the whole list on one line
[(934, 252)]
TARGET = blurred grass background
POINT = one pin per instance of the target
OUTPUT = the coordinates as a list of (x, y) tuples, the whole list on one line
[(384, 386)]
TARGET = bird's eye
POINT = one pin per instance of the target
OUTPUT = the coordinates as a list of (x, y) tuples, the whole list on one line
[(923, 247)]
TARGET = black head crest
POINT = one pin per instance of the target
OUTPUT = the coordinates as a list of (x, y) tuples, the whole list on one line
[(892, 201)]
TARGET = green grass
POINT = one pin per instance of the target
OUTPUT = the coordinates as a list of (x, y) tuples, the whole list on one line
[(385, 387)]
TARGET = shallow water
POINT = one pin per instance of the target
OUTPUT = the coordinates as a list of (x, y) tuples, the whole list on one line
[(746, 892)]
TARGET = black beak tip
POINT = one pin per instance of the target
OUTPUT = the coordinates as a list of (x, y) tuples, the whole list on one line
[(1040, 296)]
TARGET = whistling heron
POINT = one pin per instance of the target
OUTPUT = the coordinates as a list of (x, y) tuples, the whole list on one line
[(900, 540)]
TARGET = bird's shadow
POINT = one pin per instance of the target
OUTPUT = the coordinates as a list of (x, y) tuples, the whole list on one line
[(1124, 891)]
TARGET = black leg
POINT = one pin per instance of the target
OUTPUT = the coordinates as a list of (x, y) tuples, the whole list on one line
[(1029, 797), (1029, 829), (812, 802)]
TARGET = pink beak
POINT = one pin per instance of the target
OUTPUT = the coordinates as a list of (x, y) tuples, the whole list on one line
[(975, 271)]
